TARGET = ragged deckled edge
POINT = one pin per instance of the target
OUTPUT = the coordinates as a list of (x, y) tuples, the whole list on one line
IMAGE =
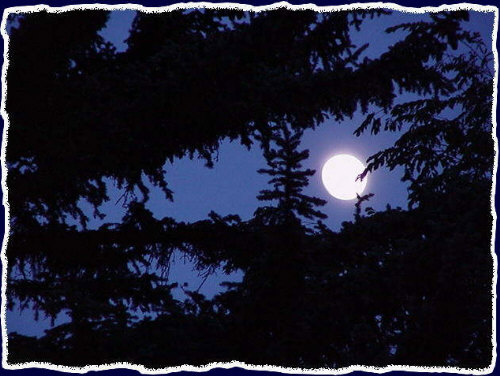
[(244, 7)]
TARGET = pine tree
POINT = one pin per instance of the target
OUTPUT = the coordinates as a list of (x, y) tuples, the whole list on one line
[(273, 290), (98, 114), (288, 179)]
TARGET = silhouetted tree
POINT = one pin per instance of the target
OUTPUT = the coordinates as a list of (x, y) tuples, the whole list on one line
[(379, 292), (446, 267), (288, 180), (266, 306)]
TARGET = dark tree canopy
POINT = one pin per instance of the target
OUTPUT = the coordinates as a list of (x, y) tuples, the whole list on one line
[(409, 287)]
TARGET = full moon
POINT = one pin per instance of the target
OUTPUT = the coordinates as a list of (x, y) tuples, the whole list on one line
[(339, 177)]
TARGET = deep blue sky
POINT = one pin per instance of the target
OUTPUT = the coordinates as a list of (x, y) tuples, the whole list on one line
[(232, 185)]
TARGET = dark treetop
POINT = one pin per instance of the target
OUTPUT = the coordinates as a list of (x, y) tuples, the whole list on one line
[(408, 287)]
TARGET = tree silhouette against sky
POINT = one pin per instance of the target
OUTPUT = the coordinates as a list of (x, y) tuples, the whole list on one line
[(408, 287)]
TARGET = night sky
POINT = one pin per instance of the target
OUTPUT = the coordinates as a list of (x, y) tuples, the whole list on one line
[(233, 184)]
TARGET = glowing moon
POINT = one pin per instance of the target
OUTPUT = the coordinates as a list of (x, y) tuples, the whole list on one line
[(339, 177)]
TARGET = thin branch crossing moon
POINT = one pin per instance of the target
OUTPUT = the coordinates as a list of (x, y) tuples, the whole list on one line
[(339, 176)]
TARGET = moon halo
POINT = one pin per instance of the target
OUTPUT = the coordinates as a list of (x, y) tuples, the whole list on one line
[(339, 176)]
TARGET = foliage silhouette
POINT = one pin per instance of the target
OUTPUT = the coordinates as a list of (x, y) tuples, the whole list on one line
[(394, 287)]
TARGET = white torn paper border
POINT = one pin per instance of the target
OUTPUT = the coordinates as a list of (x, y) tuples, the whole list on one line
[(319, 371)]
